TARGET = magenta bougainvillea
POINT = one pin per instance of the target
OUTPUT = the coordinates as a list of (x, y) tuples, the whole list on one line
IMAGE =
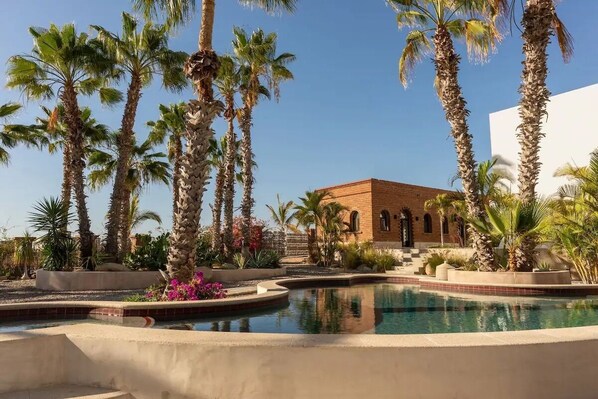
[(194, 290), (257, 232)]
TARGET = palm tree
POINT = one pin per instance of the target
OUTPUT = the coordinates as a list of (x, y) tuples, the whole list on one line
[(258, 62), (539, 22), (514, 223), (137, 216), (493, 180), (332, 226), (575, 218), (12, 135), (146, 166), (228, 82), (442, 203), (202, 68), (140, 54), (218, 153), (64, 64), (283, 215), (54, 135), (308, 212), (444, 20), (172, 124)]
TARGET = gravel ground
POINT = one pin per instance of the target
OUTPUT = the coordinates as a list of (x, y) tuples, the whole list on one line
[(14, 291)]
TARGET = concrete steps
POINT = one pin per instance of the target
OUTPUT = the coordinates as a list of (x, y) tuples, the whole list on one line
[(67, 392)]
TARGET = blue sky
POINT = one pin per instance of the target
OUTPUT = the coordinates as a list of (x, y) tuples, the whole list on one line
[(345, 116)]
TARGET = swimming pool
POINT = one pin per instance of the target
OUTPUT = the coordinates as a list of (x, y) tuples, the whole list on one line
[(392, 309)]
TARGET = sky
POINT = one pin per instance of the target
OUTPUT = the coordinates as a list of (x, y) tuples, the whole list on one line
[(344, 117)]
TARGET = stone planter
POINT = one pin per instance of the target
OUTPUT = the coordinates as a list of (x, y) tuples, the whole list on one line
[(442, 271), (524, 278), (231, 276), (79, 281)]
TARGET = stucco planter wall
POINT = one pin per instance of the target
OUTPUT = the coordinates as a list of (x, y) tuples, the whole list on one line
[(553, 277), (77, 281), (230, 276)]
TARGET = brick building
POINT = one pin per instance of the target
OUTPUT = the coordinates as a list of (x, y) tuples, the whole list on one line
[(392, 214)]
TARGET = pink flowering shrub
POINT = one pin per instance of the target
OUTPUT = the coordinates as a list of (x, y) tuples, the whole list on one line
[(194, 290)]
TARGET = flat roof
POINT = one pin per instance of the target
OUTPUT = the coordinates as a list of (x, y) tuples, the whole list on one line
[(372, 180)]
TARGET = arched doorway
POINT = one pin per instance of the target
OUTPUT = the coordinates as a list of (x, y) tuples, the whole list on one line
[(406, 228)]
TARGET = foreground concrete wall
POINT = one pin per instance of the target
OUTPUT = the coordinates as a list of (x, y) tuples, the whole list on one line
[(29, 361), (556, 277), (168, 364)]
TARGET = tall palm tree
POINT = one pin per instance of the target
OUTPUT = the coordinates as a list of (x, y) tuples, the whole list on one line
[(539, 22), (137, 216), (11, 135), (442, 203), (218, 162), (445, 20), (494, 181), (202, 68), (258, 62), (146, 166), (228, 82), (282, 214), (172, 124), (141, 54), (53, 135), (63, 63)]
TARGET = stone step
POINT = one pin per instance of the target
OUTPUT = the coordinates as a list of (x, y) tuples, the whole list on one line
[(67, 392)]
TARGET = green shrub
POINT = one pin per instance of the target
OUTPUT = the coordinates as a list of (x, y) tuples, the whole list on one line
[(433, 260), (152, 254), (205, 255), (355, 255)]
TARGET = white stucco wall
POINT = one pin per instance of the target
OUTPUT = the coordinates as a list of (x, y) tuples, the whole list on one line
[(571, 129)]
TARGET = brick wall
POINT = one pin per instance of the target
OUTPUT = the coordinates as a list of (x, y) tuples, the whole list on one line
[(371, 197)]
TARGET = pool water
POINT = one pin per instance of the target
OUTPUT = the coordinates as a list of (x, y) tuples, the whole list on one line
[(389, 309), (399, 309)]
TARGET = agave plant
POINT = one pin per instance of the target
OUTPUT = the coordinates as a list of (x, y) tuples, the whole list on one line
[(51, 216)]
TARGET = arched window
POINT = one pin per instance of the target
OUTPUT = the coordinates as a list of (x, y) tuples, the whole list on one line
[(427, 223), (385, 221), (354, 221), (445, 226)]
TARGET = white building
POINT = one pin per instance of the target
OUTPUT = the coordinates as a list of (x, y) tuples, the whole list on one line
[(571, 129)]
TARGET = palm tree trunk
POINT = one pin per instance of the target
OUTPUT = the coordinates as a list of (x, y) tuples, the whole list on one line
[(536, 22), (125, 148), (77, 143), (441, 230), (230, 158), (176, 173), (247, 156), (67, 186), (125, 224), (217, 209), (447, 70), (201, 68)]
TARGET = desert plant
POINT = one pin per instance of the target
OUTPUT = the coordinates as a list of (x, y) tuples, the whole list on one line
[(263, 260), (205, 254), (240, 260), (51, 217)]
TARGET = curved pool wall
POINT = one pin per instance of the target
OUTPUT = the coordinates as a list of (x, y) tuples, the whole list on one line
[(269, 294), (169, 364)]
